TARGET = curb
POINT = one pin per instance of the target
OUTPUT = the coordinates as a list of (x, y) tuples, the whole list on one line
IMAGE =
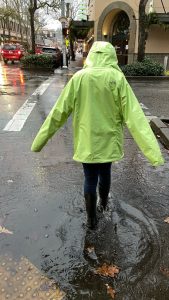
[(148, 77), (161, 129)]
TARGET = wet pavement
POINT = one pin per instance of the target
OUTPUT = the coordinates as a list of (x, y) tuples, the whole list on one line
[(41, 203)]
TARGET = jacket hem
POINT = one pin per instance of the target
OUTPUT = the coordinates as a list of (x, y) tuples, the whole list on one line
[(95, 161)]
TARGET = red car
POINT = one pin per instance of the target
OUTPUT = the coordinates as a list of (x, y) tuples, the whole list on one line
[(38, 50), (12, 52)]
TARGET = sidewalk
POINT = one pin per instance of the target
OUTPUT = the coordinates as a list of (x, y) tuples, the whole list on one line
[(78, 63), (73, 67)]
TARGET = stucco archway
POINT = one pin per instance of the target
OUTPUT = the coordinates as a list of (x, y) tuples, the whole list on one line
[(119, 6)]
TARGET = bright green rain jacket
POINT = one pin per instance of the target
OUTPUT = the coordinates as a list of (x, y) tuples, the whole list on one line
[(101, 101)]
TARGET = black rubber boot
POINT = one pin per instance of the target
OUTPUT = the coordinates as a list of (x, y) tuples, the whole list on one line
[(91, 201), (103, 200)]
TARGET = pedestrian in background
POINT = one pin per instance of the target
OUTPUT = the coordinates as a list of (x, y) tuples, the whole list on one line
[(101, 101)]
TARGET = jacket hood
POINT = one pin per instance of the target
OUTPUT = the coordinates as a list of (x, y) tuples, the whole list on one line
[(102, 54)]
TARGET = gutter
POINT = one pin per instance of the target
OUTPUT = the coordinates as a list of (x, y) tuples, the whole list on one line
[(161, 130), (148, 77)]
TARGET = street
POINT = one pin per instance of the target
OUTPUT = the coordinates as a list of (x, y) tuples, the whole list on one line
[(42, 206)]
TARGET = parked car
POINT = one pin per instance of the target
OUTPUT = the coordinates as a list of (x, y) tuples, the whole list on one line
[(54, 52), (38, 50), (12, 52)]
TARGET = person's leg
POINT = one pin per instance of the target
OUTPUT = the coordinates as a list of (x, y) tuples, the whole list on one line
[(91, 178), (104, 183), (91, 172)]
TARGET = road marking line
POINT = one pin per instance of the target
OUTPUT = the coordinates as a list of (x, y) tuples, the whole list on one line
[(41, 89), (19, 119)]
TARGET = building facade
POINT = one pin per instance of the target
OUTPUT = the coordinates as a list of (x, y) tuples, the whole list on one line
[(13, 31), (117, 22)]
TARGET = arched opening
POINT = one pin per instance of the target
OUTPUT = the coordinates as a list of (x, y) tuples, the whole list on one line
[(120, 36), (117, 25)]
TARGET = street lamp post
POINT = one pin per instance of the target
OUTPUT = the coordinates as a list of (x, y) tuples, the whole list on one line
[(64, 22)]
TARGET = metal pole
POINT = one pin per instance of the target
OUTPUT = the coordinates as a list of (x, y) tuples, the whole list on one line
[(63, 8), (163, 6), (67, 10), (63, 38)]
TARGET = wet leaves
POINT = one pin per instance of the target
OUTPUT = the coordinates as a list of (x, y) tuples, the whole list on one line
[(10, 181), (4, 230), (91, 254), (90, 249), (107, 271), (166, 220), (110, 291), (165, 271)]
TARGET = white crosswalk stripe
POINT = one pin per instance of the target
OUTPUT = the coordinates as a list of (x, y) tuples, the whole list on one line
[(19, 119)]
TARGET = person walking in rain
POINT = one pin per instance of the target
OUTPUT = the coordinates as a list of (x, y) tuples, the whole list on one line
[(101, 101)]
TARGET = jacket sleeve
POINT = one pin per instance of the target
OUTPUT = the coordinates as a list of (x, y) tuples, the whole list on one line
[(138, 125), (56, 118)]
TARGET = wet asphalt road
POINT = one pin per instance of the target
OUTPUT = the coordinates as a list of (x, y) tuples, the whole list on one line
[(41, 201)]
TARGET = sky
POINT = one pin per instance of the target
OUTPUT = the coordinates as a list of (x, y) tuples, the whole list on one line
[(52, 23)]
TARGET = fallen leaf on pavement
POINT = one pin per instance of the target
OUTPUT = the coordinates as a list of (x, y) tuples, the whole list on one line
[(90, 249), (166, 220), (165, 271), (110, 291), (10, 181), (90, 253), (107, 271), (4, 230)]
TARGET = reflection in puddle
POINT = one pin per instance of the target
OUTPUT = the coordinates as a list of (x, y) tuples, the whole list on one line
[(13, 77), (3, 75)]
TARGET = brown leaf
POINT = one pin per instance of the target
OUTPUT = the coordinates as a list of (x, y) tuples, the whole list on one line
[(167, 220), (107, 271), (110, 291), (90, 249), (165, 271), (4, 230)]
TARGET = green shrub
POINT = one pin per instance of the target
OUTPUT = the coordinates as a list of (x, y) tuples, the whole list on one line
[(146, 68), (37, 61), (30, 51)]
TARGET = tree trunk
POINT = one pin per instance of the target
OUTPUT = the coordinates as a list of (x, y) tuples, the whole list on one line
[(72, 53), (32, 15), (3, 29), (9, 29), (142, 30), (32, 9), (21, 32)]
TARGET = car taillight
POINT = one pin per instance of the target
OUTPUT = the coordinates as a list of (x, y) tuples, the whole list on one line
[(19, 52)]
